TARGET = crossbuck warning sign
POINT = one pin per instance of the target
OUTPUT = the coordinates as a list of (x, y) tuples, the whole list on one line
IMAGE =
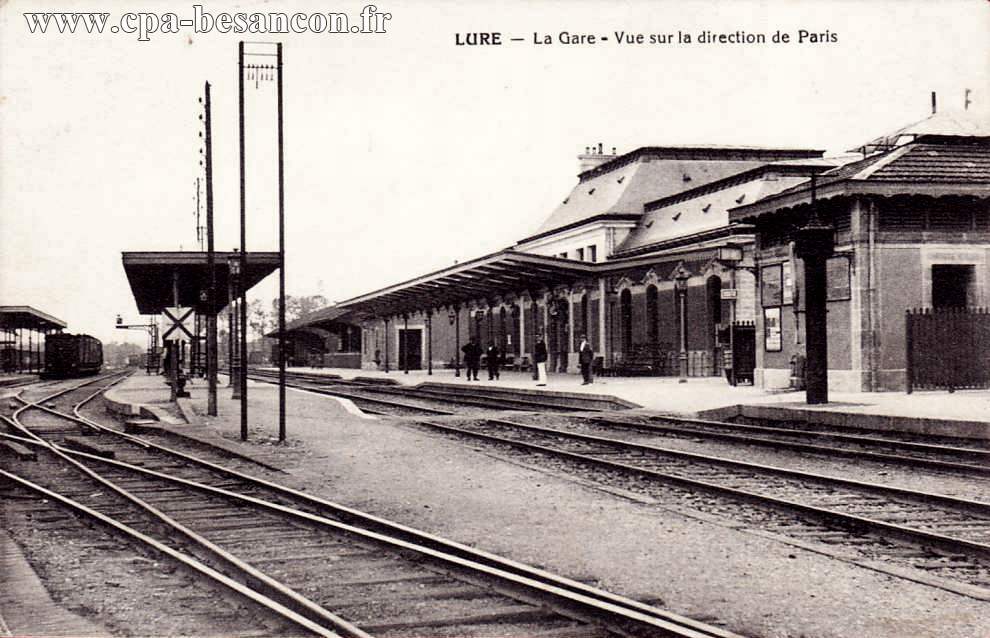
[(179, 324)]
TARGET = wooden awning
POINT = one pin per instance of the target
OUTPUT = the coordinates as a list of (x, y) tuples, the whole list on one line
[(28, 318), (487, 277), (150, 275)]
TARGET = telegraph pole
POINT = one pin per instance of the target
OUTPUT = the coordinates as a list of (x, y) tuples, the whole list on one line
[(243, 256), (281, 257), (211, 292)]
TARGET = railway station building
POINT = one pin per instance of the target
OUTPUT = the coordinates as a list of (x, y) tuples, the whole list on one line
[(912, 246), (640, 257), (681, 261)]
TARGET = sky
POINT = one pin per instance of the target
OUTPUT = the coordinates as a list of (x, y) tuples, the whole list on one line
[(404, 151)]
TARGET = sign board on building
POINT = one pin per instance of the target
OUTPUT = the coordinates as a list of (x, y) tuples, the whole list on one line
[(771, 330), (179, 324), (729, 293)]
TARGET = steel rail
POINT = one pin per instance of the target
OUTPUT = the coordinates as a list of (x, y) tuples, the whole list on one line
[(408, 534), (162, 549), (852, 438), (575, 605), (966, 505), (851, 521), (880, 457), (290, 599), (432, 394)]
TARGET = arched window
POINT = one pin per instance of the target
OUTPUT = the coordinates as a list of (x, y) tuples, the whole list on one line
[(713, 288), (713, 297), (625, 320), (585, 319), (652, 325), (500, 338)]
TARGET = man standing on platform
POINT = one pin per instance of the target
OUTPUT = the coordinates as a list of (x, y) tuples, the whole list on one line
[(472, 358), (494, 358), (586, 355), (540, 359)]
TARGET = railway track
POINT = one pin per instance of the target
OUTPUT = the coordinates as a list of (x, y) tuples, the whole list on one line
[(947, 538), (967, 457), (425, 400), (315, 559)]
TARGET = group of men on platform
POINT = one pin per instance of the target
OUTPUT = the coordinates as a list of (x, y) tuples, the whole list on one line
[(493, 359)]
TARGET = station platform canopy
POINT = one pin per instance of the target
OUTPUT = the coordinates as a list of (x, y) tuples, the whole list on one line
[(504, 272), (330, 319), (27, 318), (151, 274)]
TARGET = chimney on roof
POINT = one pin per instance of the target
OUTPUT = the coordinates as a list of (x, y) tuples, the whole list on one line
[(593, 156), (934, 109)]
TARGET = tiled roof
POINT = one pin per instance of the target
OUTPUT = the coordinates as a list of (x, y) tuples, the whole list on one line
[(937, 163), (620, 187), (946, 123), (322, 315), (932, 162), (706, 207)]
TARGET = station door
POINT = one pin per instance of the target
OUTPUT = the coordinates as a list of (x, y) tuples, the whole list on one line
[(410, 349)]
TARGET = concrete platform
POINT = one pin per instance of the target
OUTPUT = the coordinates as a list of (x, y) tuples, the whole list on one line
[(13, 379), (26, 609), (704, 394)]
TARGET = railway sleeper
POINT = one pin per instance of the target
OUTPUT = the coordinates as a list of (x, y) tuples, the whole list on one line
[(16, 449), (82, 445)]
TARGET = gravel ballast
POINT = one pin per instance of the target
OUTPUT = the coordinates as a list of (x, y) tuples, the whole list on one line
[(750, 584)]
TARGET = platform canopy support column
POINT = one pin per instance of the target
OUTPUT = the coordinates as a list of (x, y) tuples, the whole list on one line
[(404, 344), (386, 345), (455, 320), (521, 348), (429, 341)]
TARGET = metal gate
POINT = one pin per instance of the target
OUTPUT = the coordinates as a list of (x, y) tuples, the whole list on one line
[(947, 349)]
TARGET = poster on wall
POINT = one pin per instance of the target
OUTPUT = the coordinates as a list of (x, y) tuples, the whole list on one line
[(771, 292), (771, 330)]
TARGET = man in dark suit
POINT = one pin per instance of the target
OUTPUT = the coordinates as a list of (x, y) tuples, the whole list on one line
[(494, 358), (586, 355), (472, 358)]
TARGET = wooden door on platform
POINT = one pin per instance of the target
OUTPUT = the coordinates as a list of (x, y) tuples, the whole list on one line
[(410, 349)]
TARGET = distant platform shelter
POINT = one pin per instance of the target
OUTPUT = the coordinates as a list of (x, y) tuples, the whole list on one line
[(22, 331), (329, 337)]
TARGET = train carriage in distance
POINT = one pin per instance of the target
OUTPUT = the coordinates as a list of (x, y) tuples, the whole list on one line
[(68, 355)]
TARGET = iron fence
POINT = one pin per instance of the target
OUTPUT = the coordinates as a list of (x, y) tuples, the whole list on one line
[(947, 349)]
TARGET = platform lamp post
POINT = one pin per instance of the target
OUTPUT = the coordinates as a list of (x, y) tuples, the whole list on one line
[(234, 268), (814, 243), (455, 320), (680, 285)]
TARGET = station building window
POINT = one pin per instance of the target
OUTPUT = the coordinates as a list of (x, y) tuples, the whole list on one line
[(652, 318), (625, 320), (593, 253), (585, 327), (580, 254), (563, 255)]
